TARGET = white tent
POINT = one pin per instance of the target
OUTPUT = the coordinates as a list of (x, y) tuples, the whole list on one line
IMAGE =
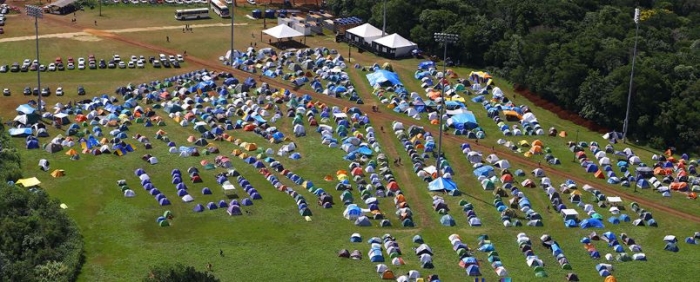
[(282, 31), (366, 32), (394, 45)]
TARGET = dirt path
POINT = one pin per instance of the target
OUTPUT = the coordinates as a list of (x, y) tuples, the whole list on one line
[(407, 185), (383, 118), (86, 35)]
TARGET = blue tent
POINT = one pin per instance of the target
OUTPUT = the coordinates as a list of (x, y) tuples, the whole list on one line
[(25, 109), (440, 184), (464, 121), (364, 150), (198, 208), (425, 65), (20, 132), (591, 223), (447, 220), (485, 170), (383, 77)]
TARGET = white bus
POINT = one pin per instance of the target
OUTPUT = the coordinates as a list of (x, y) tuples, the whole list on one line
[(192, 14), (220, 8)]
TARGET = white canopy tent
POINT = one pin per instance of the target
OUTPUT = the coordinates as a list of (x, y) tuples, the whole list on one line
[(282, 31), (394, 45), (365, 32)]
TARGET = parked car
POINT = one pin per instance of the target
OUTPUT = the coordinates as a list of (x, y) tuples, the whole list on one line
[(35, 91), (27, 62), (2, 30), (116, 58), (156, 64), (180, 58), (134, 58), (112, 65), (140, 64), (70, 60), (58, 60), (121, 65), (24, 68), (103, 64), (81, 90), (4, 68), (14, 67), (171, 58), (6, 92), (251, 2), (131, 65), (165, 63), (71, 66), (92, 65), (27, 91), (2, 21), (46, 91), (60, 67), (42, 68), (162, 57), (59, 91), (33, 67), (176, 64), (91, 57)]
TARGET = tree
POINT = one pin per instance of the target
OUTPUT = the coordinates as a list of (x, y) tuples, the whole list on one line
[(178, 273)]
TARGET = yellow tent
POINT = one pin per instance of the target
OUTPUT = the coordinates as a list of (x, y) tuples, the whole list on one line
[(58, 173), (236, 152), (251, 147), (29, 182), (71, 152)]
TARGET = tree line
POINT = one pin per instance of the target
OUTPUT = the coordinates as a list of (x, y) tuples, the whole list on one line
[(575, 53), (38, 241)]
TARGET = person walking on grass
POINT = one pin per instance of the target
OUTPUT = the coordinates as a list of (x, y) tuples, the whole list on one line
[(167, 39), (221, 252), (95, 23)]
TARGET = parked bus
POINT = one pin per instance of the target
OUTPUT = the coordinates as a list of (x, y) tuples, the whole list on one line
[(192, 14), (220, 8)]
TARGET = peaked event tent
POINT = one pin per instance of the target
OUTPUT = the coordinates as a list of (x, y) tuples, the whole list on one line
[(394, 46), (364, 34), (282, 31)]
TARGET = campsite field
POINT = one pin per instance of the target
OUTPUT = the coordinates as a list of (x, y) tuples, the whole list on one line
[(275, 243)]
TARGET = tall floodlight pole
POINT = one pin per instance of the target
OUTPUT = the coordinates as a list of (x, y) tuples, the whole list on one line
[(230, 57), (384, 20), (625, 126), (445, 38), (36, 12), (100, 5)]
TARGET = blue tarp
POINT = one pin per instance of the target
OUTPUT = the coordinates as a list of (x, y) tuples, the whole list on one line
[(364, 151), (464, 120), (440, 184), (20, 131), (26, 109), (486, 171), (381, 77)]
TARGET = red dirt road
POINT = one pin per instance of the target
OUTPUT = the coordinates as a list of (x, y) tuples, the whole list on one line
[(387, 119)]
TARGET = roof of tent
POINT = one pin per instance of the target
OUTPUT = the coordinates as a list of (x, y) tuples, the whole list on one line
[(365, 30), (383, 76), (282, 31), (395, 41), (442, 184)]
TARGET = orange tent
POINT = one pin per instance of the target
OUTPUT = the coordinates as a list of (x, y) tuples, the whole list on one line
[(507, 178), (679, 186), (434, 94), (249, 127), (536, 150), (389, 275), (357, 171), (537, 143), (599, 174), (393, 186), (342, 171), (80, 118), (400, 198), (562, 134), (610, 278)]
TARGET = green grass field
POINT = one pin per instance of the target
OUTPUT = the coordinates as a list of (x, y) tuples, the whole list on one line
[(275, 243)]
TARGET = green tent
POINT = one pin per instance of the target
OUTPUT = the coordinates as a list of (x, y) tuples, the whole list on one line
[(597, 216), (407, 223), (566, 266), (463, 202), (346, 196), (305, 212), (164, 223), (167, 214), (541, 274)]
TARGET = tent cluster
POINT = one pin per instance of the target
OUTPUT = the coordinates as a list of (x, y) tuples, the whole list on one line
[(531, 149), (644, 217), (693, 240), (614, 242), (467, 260), (469, 212), (588, 245), (527, 123), (302, 205), (556, 250), (518, 201), (486, 246), (531, 259), (164, 220), (148, 186), (389, 244), (125, 190), (671, 243)]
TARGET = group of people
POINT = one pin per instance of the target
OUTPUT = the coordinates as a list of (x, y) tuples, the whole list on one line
[(187, 28)]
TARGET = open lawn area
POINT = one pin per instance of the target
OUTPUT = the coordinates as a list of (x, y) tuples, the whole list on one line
[(271, 241)]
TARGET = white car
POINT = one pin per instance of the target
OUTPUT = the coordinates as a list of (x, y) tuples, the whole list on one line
[(131, 65), (27, 62), (52, 67), (59, 91), (251, 2), (116, 58), (162, 57), (171, 58), (140, 64), (81, 65), (121, 65), (81, 60), (180, 58), (134, 58), (70, 66), (6, 92)]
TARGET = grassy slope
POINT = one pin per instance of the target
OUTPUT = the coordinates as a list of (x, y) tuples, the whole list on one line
[(275, 243)]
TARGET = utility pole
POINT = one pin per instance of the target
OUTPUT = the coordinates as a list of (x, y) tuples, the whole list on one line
[(384, 20), (230, 57), (37, 13), (625, 126), (445, 38)]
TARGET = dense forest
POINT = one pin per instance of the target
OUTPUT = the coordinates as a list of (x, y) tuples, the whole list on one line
[(575, 53), (38, 241)]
